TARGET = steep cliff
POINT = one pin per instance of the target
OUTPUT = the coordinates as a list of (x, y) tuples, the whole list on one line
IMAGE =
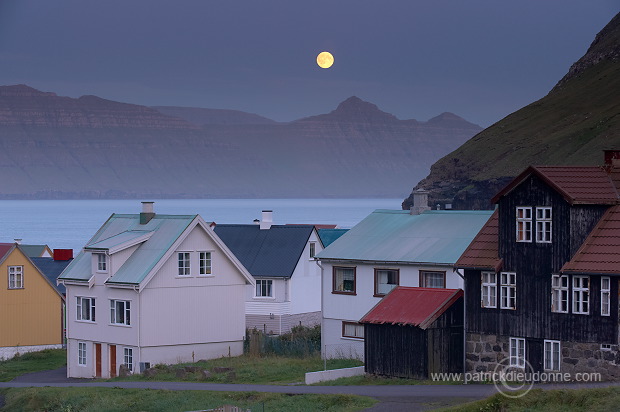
[(572, 125)]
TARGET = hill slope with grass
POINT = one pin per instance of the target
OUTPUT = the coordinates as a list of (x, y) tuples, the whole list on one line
[(571, 125)]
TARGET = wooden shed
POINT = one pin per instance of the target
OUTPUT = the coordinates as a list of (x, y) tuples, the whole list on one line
[(414, 332)]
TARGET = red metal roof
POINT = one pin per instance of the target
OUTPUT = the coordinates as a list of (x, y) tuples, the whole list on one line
[(600, 253), (4, 248), (412, 306), (577, 184), (483, 252)]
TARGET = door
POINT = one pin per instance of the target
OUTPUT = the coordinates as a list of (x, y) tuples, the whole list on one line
[(112, 361), (97, 360)]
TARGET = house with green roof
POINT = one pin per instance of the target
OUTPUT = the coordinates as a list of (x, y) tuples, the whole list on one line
[(149, 288), (388, 248)]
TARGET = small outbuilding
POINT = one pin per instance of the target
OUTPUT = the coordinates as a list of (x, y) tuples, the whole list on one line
[(414, 332)]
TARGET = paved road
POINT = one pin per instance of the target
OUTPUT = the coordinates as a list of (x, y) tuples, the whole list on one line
[(392, 397)]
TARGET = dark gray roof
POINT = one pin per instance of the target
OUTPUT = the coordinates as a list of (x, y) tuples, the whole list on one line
[(51, 269), (272, 252)]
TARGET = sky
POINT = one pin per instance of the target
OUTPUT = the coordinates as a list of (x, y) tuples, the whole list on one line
[(479, 59)]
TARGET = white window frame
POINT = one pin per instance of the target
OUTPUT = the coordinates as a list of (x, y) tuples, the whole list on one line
[(128, 358), (264, 288), (16, 277), (184, 264), (312, 249), (605, 296), (552, 355), (581, 295), (524, 224), (205, 263), (543, 225), (559, 293), (120, 312), (488, 289), (508, 290), (352, 330), (85, 303), (517, 352), (82, 359), (102, 262)]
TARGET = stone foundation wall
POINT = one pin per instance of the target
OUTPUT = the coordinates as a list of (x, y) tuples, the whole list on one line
[(309, 319), (483, 352), (8, 352), (589, 358)]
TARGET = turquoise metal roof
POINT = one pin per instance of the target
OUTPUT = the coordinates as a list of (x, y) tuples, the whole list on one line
[(433, 237), (120, 241), (122, 228), (328, 236)]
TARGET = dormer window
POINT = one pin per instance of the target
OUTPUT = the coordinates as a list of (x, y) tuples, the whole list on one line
[(524, 224), (102, 262)]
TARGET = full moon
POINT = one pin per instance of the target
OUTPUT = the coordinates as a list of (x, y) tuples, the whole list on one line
[(325, 60)]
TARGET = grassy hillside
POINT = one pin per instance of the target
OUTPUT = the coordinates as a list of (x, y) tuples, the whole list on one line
[(572, 125)]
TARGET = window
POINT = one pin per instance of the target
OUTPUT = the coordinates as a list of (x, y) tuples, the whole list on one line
[(581, 294), (385, 281), (128, 358), (508, 290), (524, 224), (102, 262), (312, 250), (352, 330), (552, 355), (605, 346), (264, 288), (605, 294), (16, 277), (489, 289), (85, 309), (559, 293), (517, 352), (543, 224), (432, 279), (343, 280), (184, 264), (120, 312), (205, 263), (82, 353)]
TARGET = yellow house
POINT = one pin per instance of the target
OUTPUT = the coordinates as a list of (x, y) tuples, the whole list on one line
[(31, 307)]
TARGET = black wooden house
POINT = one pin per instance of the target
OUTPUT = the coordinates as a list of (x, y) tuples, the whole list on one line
[(541, 277), (414, 332)]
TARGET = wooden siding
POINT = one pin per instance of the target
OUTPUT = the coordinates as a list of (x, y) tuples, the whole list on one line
[(412, 352), (533, 317), (32, 315)]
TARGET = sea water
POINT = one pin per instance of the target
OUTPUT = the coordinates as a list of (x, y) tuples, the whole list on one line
[(69, 224)]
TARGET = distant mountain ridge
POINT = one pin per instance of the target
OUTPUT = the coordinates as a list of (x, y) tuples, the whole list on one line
[(571, 125), (60, 147)]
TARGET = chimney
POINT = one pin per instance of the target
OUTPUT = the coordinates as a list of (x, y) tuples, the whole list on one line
[(147, 213), (18, 241), (63, 254), (612, 158), (267, 219), (420, 202)]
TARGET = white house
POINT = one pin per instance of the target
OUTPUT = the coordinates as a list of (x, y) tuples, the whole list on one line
[(281, 260), (388, 248), (148, 289)]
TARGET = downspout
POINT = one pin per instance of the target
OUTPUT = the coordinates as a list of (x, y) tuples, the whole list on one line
[(464, 326), (136, 289)]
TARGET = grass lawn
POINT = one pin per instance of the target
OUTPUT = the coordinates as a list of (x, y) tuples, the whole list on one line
[(32, 362), (273, 370), (565, 400), (116, 399)]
